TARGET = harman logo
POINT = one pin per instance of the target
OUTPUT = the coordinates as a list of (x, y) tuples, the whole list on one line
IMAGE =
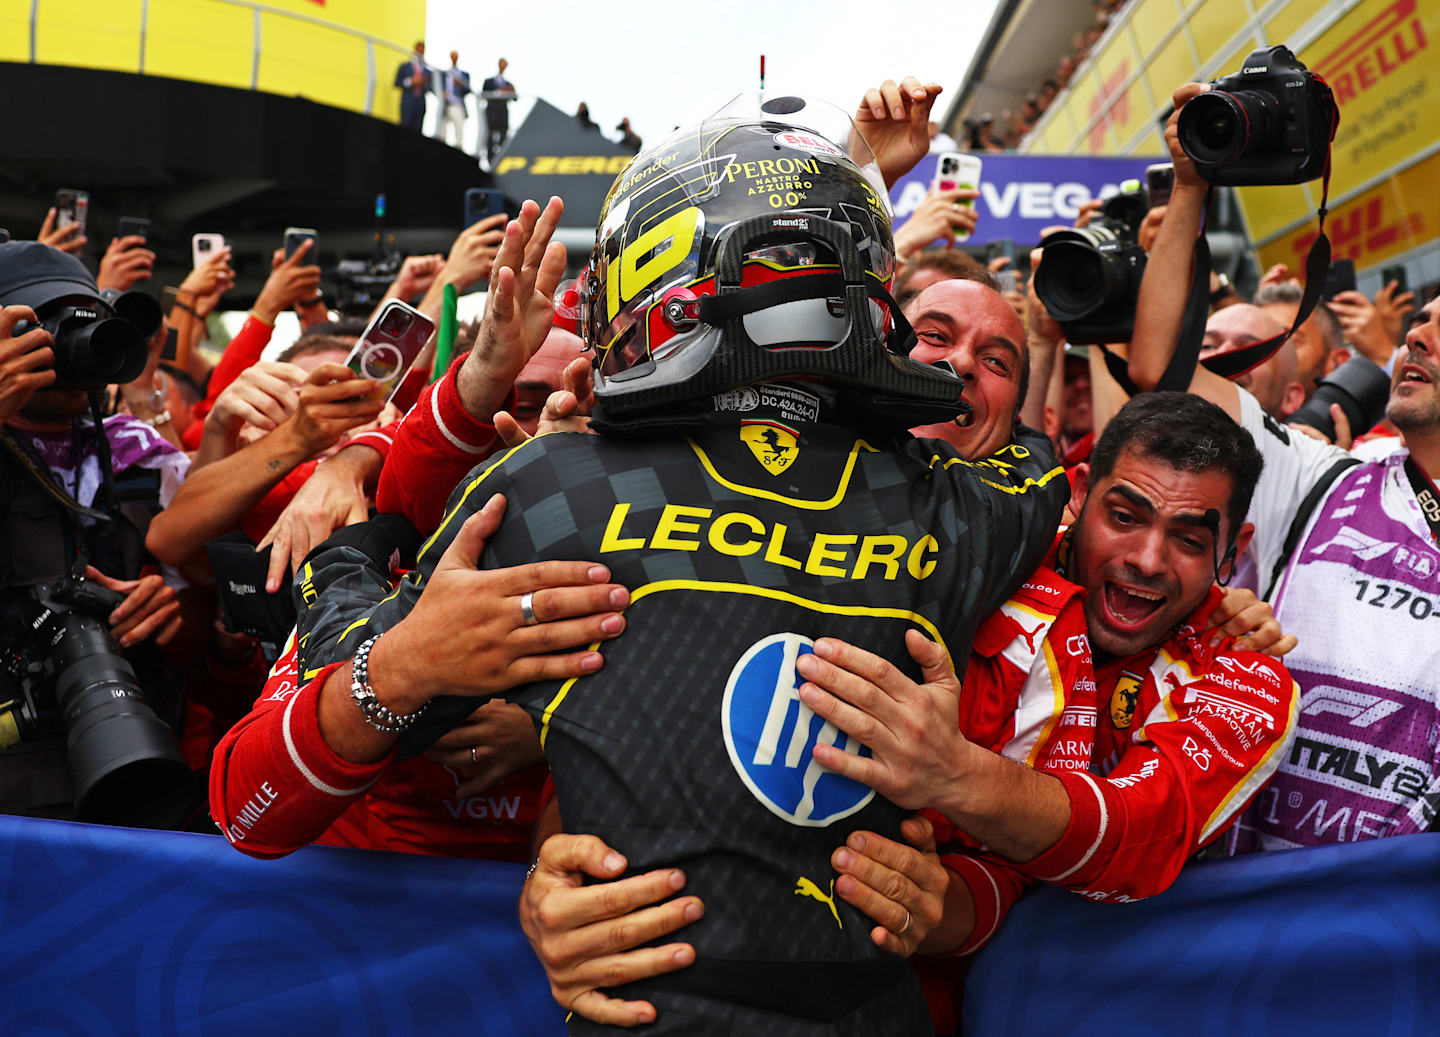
[(769, 734)]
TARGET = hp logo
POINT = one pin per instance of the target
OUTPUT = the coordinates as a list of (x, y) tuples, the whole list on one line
[(769, 734)]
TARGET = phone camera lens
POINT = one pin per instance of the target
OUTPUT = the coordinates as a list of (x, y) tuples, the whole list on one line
[(395, 323)]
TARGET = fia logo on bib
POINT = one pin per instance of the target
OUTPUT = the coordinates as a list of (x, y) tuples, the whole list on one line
[(769, 734)]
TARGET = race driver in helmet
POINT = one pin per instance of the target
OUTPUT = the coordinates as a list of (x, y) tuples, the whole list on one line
[(754, 486)]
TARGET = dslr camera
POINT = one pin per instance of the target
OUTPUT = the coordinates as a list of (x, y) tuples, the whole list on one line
[(1089, 278), (1269, 123), (100, 338), (64, 674)]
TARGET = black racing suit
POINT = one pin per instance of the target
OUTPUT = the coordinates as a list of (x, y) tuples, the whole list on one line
[(741, 545)]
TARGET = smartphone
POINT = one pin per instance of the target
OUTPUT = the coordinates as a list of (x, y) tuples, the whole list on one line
[(134, 225), (390, 344), (1339, 278), (481, 202), (296, 236), (956, 169), (71, 207), (1396, 274), (1160, 182), (1001, 247), (203, 246)]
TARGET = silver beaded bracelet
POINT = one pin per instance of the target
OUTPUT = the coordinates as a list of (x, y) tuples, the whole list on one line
[(384, 720)]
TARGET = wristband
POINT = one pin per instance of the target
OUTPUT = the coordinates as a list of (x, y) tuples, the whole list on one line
[(384, 720), (184, 306), (158, 419)]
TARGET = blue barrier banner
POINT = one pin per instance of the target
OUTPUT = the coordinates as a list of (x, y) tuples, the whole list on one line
[(111, 931), (1334, 940), (1021, 195)]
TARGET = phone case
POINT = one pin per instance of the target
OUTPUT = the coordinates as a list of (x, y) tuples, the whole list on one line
[(388, 348)]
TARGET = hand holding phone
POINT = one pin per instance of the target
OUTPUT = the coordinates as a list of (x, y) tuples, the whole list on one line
[(203, 247), (1340, 277), (72, 209), (295, 236), (481, 202), (1160, 183), (390, 345), (134, 227), (956, 170)]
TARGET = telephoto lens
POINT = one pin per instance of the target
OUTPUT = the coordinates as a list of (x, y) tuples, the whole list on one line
[(124, 762), (1360, 386)]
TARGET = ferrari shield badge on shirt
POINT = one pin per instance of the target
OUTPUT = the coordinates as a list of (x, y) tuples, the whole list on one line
[(773, 444), (1122, 703)]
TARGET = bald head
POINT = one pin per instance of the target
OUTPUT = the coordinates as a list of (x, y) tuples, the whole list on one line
[(541, 376), (1275, 384)]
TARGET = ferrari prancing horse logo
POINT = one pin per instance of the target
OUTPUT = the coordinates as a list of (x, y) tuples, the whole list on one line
[(773, 444)]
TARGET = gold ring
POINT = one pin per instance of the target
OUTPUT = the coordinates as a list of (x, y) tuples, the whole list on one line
[(901, 930), (473, 757)]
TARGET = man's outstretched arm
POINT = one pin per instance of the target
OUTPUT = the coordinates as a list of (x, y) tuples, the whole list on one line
[(1165, 288)]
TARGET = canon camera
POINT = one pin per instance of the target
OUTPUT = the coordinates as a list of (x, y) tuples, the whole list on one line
[(1270, 123)]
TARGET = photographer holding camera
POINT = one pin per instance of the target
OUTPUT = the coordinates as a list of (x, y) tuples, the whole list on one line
[(78, 488), (1354, 569)]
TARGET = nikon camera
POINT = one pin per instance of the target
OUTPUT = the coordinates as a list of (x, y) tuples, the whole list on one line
[(1089, 278), (60, 671), (1270, 123)]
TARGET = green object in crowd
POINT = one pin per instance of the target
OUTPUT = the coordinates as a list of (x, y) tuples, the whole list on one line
[(445, 337)]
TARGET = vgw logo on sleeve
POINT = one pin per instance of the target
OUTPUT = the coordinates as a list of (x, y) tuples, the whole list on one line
[(770, 733)]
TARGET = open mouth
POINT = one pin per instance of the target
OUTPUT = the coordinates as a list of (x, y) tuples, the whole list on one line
[(1130, 609), (1412, 373), (965, 420)]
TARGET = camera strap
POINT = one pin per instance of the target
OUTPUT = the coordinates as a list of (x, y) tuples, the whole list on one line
[(1426, 495), (42, 477)]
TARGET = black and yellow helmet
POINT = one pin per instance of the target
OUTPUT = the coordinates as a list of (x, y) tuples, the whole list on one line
[(752, 247)]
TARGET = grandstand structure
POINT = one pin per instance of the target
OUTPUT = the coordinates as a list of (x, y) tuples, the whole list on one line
[(1378, 55), (224, 115)]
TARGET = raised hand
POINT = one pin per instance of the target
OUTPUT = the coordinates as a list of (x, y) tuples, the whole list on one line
[(895, 122), (519, 310)]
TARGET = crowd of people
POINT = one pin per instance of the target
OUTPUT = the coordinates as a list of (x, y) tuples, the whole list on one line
[(985, 132), (762, 656)]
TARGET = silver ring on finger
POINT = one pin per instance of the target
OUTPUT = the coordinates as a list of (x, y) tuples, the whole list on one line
[(903, 928), (527, 608), (474, 757)]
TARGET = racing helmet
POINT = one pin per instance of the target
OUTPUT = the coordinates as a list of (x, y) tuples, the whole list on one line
[(753, 246)]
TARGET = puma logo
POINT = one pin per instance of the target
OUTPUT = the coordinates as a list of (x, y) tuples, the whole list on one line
[(805, 888), (1029, 636)]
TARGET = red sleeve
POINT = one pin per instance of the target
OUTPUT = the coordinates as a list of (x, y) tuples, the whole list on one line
[(436, 445), (262, 516), (243, 351), (994, 887), (275, 785), (1207, 746), (380, 439)]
